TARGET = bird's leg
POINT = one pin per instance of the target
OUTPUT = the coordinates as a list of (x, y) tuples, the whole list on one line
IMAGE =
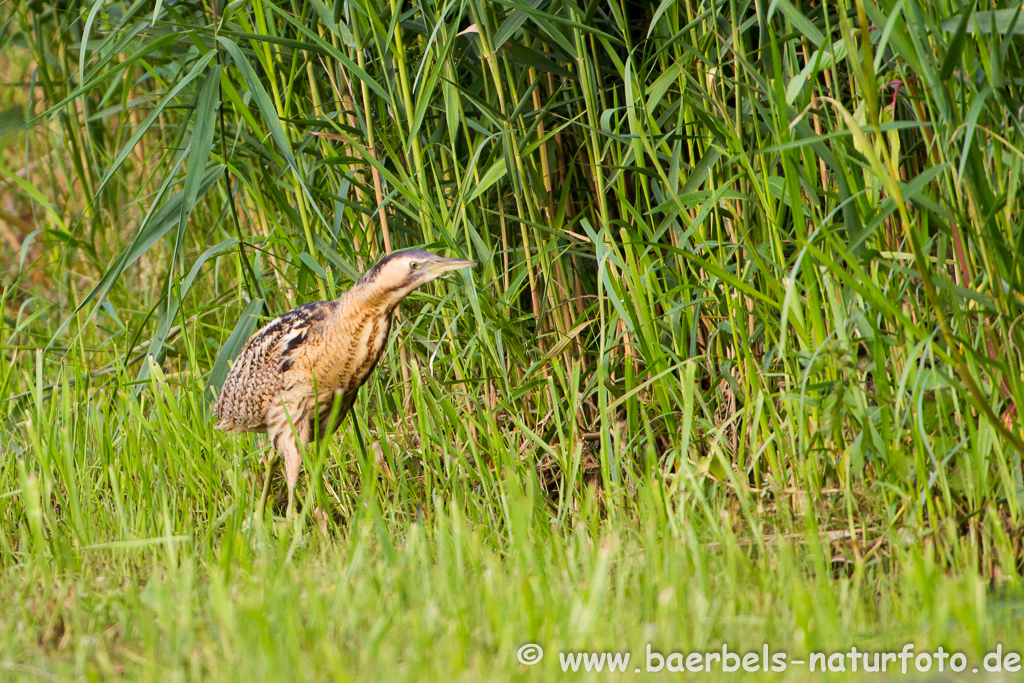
[(272, 462), (292, 465), (293, 461), (289, 427)]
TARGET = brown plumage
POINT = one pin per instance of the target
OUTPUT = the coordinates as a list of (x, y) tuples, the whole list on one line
[(285, 380)]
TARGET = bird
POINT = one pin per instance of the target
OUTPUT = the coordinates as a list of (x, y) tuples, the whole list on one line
[(289, 375)]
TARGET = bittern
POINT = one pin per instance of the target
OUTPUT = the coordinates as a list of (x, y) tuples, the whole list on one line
[(288, 376)]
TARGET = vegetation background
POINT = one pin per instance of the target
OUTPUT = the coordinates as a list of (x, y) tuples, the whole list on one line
[(741, 362)]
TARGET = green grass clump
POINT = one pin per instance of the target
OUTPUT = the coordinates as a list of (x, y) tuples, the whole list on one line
[(740, 363)]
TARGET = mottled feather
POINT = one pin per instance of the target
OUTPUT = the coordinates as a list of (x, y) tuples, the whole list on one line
[(258, 374)]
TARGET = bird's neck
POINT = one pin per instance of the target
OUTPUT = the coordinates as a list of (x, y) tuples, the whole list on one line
[(363, 299)]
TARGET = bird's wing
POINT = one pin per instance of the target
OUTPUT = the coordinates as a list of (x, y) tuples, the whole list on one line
[(256, 377)]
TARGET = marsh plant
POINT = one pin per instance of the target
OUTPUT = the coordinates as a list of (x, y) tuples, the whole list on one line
[(740, 363)]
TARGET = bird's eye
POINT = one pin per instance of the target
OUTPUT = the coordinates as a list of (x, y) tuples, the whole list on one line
[(414, 265)]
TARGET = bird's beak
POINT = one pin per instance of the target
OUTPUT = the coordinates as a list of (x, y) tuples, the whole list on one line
[(443, 265)]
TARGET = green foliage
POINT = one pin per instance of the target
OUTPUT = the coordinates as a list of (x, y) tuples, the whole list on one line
[(747, 307)]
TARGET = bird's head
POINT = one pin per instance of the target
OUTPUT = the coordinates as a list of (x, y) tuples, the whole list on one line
[(400, 272)]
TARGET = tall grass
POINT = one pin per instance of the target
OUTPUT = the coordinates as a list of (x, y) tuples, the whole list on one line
[(748, 302)]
